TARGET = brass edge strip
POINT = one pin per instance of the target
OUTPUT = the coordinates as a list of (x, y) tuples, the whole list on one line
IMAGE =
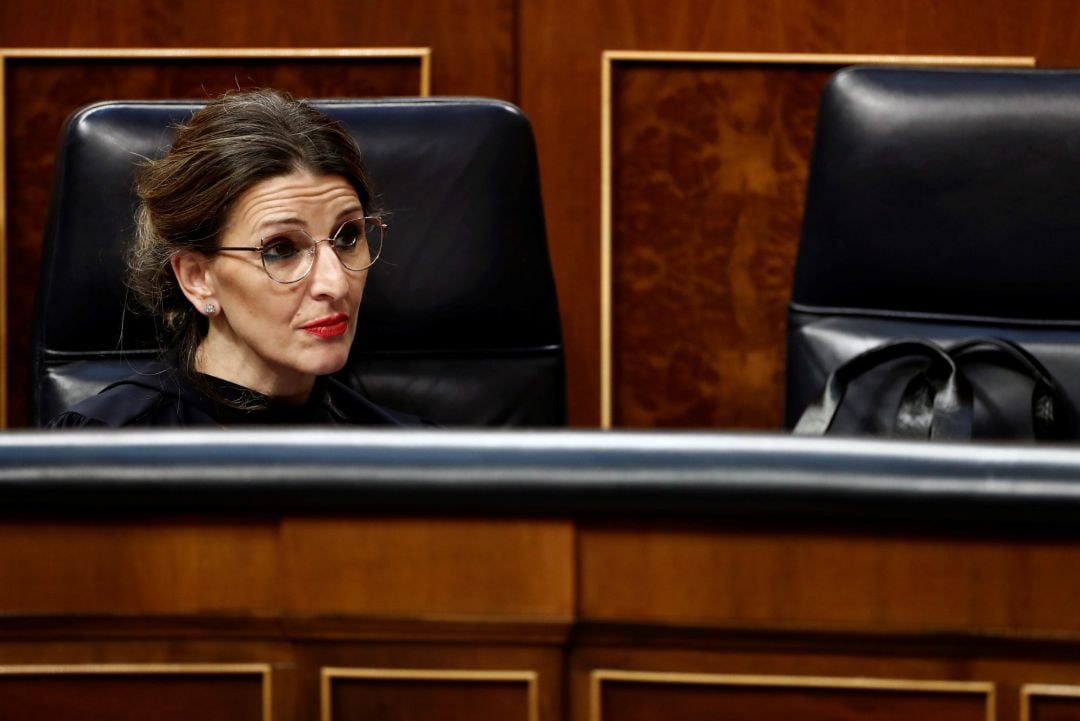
[(135, 668), (530, 678), (609, 57), (823, 58), (423, 54), (324, 694), (595, 711), (211, 53), (598, 676), (605, 243), (268, 694), (3, 245), (425, 73)]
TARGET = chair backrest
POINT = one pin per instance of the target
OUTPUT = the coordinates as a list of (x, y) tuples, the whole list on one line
[(459, 321), (941, 204)]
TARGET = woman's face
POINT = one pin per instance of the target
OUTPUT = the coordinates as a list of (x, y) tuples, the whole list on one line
[(271, 337)]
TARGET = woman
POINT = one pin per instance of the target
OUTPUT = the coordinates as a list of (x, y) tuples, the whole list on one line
[(254, 237)]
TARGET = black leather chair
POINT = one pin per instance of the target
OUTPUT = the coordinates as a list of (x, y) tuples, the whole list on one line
[(941, 204), (459, 322)]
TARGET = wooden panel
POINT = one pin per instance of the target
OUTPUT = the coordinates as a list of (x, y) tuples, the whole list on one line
[(854, 659), (407, 567), (41, 92), (636, 696), (138, 567), (1050, 703), (709, 167), (435, 695), (817, 580), (473, 41), (89, 693)]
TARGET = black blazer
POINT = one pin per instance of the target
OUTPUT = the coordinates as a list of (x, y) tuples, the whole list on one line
[(162, 396)]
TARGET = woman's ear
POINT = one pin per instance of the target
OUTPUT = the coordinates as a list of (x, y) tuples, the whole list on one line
[(193, 276)]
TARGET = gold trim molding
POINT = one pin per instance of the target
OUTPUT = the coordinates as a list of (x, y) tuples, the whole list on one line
[(420, 54), (529, 678), (599, 676), (610, 57), (155, 669)]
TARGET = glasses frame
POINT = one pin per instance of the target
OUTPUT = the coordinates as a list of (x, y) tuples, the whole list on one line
[(314, 250)]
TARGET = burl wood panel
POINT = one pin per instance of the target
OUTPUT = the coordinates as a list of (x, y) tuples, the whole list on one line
[(709, 165), (138, 567), (429, 699), (429, 567), (644, 701), (119, 697), (789, 579), (41, 93)]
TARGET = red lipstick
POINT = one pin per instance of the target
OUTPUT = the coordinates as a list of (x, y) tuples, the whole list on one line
[(331, 326)]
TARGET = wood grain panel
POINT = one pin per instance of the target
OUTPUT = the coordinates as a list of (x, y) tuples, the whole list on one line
[(438, 695), (420, 567), (637, 696), (709, 171), (41, 92), (474, 40), (138, 567), (90, 693), (785, 579)]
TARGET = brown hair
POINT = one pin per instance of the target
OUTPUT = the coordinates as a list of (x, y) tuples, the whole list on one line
[(236, 141)]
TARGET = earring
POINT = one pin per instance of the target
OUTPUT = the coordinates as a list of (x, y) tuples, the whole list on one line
[(210, 309)]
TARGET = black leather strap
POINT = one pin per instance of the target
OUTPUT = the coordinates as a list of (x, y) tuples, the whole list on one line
[(935, 402), (1047, 404)]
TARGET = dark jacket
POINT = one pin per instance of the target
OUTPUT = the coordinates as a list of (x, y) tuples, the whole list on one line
[(161, 396)]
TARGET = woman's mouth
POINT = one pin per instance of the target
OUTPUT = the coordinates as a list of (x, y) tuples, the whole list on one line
[(331, 326)]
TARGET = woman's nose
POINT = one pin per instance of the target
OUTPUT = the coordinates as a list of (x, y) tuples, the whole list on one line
[(328, 276)]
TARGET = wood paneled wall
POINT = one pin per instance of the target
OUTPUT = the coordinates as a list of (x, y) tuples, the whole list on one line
[(697, 334), (529, 619)]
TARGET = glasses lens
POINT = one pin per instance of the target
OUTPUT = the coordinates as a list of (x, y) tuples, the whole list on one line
[(287, 256), (358, 243)]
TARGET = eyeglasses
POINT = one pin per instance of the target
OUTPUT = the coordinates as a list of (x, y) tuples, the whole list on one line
[(288, 256)]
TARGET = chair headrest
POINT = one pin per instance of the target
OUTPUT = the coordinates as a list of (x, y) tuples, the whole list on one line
[(945, 192)]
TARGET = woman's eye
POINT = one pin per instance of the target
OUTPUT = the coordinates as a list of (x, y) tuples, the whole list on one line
[(348, 236), (279, 249)]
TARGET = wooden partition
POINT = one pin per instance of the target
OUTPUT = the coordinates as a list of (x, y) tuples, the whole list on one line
[(429, 618), (449, 575)]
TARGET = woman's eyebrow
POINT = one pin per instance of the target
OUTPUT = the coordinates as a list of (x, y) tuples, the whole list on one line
[(351, 210)]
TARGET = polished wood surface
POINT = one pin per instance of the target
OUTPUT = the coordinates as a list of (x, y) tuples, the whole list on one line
[(418, 567), (850, 581), (167, 566)]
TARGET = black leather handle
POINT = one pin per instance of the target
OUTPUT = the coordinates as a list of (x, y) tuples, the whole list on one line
[(937, 395), (1048, 409)]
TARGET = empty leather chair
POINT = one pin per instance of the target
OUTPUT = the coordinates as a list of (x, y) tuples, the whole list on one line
[(942, 204), (459, 322)]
